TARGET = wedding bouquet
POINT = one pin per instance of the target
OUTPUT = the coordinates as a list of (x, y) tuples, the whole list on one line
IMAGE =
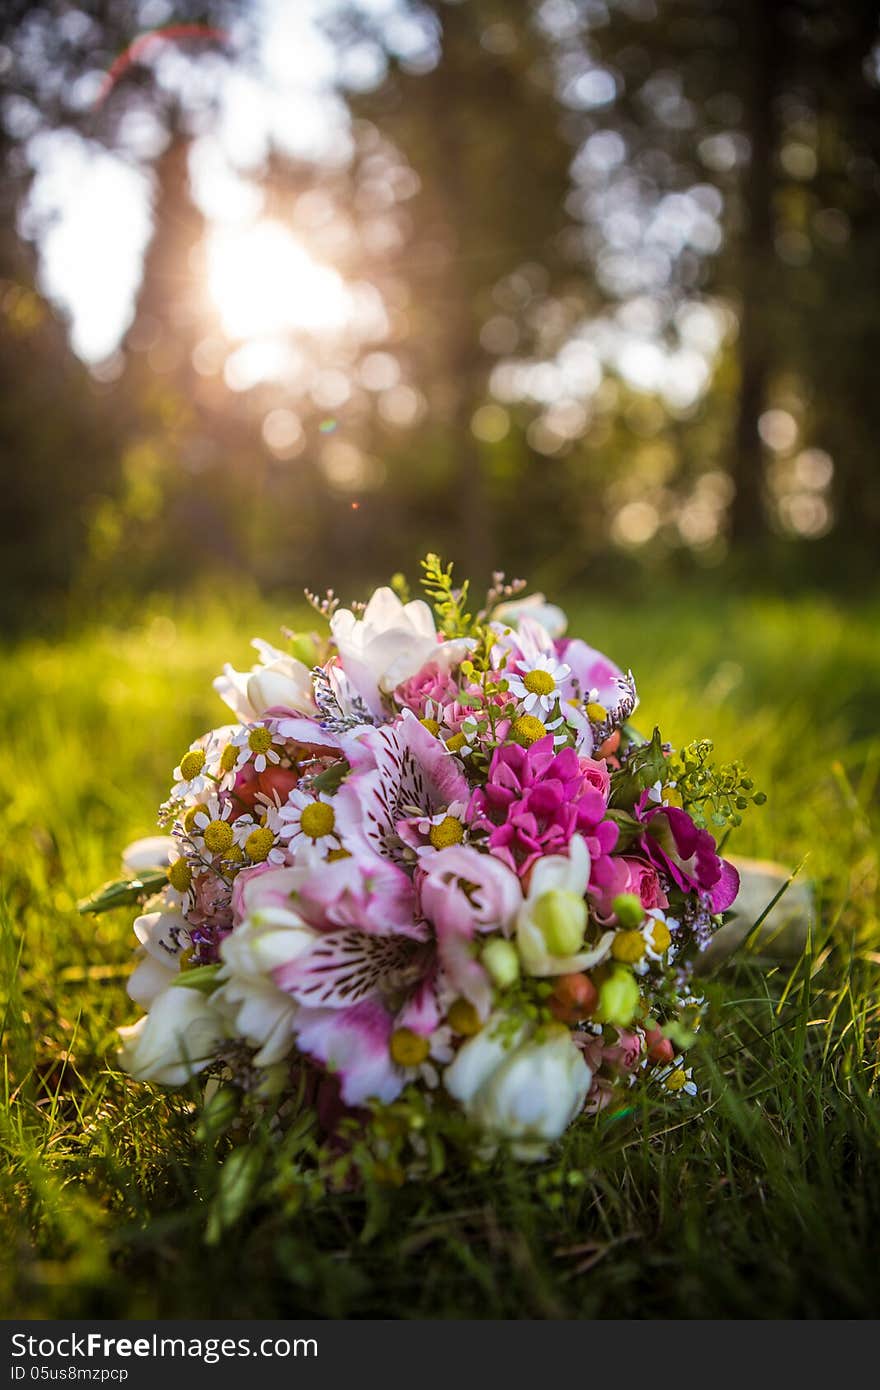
[(430, 856)]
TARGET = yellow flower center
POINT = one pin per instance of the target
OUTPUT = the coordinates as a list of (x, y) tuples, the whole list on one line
[(228, 757), (431, 725), (408, 1049), (597, 714), (191, 764), (676, 1080), (527, 730), (457, 741), (539, 682), (180, 875), (258, 844), (450, 831), (660, 938), (234, 855), (628, 946), (317, 819), (218, 836), (463, 1018), (260, 739), (189, 820)]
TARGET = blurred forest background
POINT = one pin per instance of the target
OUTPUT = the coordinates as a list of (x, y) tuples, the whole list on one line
[(292, 290)]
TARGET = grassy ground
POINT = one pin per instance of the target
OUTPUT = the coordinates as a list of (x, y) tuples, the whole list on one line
[(759, 1199)]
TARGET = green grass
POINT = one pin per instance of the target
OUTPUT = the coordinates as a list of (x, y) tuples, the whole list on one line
[(759, 1199)]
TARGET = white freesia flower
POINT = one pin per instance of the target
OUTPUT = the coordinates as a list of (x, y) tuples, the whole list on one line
[(264, 1014), (390, 643), (527, 1088), (179, 1037), (554, 909), (535, 606), (278, 681), (153, 852), (163, 937)]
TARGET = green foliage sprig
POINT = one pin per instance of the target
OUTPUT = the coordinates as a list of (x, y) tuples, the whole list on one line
[(449, 603), (713, 793)]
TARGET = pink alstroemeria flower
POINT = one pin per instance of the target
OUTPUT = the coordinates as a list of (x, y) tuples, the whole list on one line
[(364, 976), (463, 893), (414, 775)]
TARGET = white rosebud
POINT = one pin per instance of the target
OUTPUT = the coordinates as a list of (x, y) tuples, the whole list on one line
[(178, 1038), (279, 681), (263, 1013), (526, 1088), (549, 922)]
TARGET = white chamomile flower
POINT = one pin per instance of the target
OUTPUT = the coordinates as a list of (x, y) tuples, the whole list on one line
[(463, 743), (212, 824), (179, 892), (255, 743), (309, 819), (263, 842), (537, 684), (418, 1057), (192, 774), (678, 1079), (650, 943), (443, 829)]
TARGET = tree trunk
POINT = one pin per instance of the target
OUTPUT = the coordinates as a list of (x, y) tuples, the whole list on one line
[(762, 37)]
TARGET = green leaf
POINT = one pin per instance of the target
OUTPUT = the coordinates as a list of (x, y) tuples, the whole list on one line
[(201, 977), (238, 1178), (123, 892), (643, 768), (332, 777), (218, 1114)]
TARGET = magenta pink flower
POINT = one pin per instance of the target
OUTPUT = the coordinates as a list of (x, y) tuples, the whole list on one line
[(535, 800), (687, 854)]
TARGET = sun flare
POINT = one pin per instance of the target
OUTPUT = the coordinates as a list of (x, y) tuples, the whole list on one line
[(265, 283)]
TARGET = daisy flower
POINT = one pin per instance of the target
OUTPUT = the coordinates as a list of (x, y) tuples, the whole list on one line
[(179, 892), (537, 683), (262, 844), (309, 819), (650, 943), (255, 743), (214, 827), (678, 1079), (192, 775), (427, 834), (417, 1057)]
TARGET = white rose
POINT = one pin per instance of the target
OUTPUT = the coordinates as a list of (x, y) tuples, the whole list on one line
[(263, 1013), (179, 1037), (555, 904), (527, 1088), (163, 937), (390, 643), (279, 681)]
